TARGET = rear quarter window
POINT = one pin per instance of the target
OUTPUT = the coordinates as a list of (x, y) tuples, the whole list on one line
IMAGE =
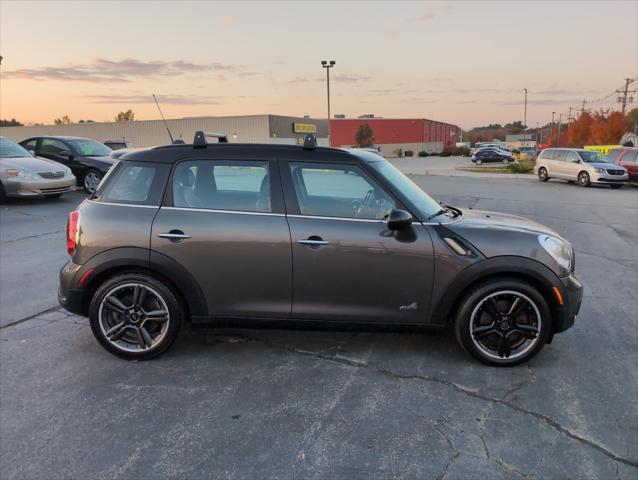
[(136, 183)]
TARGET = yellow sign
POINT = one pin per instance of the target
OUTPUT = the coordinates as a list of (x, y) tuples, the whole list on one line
[(304, 128), (604, 149)]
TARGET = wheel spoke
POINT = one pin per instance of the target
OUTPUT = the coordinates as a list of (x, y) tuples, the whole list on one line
[(484, 331), (156, 316), (140, 338), (492, 308), (516, 307), (114, 303), (117, 332), (528, 331), (139, 295), (148, 341), (504, 348)]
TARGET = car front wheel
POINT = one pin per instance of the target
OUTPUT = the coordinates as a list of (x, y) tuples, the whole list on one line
[(135, 316), (583, 179), (503, 322), (91, 179)]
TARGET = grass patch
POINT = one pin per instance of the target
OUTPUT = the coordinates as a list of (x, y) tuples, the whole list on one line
[(520, 166)]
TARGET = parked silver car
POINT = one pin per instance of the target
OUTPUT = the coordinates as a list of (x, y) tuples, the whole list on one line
[(577, 165), (23, 175)]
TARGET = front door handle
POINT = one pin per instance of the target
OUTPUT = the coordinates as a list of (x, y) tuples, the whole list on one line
[(174, 235), (313, 241)]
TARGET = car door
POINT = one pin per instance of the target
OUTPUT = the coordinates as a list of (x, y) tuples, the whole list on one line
[(629, 160), (51, 148), (571, 165), (223, 221), (347, 266)]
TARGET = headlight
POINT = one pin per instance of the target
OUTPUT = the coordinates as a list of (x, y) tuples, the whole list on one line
[(600, 170), (559, 249), (21, 174)]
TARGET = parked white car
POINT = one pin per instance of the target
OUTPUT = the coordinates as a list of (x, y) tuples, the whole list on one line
[(576, 165)]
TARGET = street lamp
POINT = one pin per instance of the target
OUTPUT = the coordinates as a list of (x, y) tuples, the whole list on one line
[(525, 113), (551, 131), (328, 65)]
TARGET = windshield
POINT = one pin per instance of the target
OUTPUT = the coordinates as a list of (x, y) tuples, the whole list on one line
[(9, 149), (592, 157), (90, 148), (426, 205)]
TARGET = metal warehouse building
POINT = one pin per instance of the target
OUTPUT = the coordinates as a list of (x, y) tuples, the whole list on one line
[(148, 133), (390, 134)]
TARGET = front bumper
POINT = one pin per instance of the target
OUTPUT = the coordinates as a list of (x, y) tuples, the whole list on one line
[(565, 314), (14, 187), (605, 178)]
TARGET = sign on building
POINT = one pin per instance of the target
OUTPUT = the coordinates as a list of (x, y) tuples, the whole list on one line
[(304, 128)]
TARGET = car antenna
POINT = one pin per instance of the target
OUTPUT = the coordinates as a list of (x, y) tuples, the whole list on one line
[(165, 124)]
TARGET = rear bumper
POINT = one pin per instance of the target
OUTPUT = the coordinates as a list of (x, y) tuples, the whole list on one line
[(572, 299), (72, 299)]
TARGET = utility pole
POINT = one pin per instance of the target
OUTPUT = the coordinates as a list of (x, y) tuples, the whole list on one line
[(570, 118), (525, 112), (623, 94), (582, 110), (540, 139), (551, 130), (328, 65)]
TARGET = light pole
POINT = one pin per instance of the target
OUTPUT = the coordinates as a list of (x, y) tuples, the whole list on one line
[(540, 139), (551, 131), (525, 113), (328, 65)]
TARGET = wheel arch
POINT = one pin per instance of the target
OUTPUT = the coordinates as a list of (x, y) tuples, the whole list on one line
[(138, 260), (530, 271)]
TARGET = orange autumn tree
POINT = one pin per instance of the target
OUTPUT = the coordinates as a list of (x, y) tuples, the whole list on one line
[(607, 130), (579, 132)]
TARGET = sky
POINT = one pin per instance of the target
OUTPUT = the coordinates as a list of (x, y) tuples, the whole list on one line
[(462, 62)]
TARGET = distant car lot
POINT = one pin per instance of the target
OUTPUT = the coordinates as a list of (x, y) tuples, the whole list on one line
[(318, 404)]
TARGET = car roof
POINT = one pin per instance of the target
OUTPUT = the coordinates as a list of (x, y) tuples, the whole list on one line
[(174, 153)]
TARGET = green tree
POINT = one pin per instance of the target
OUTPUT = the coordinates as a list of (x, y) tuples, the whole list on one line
[(364, 136), (127, 116), (10, 123), (632, 118), (65, 120)]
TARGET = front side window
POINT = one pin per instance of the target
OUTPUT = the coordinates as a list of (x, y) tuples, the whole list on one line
[(590, 156), (135, 183), (572, 157), (631, 156), (612, 155), (343, 191), (223, 185), (51, 146)]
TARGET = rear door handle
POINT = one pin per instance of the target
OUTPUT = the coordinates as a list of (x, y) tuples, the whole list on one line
[(174, 235), (313, 241)]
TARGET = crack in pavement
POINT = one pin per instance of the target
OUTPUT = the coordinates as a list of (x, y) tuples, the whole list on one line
[(343, 360), (31, 317), (28, 237)]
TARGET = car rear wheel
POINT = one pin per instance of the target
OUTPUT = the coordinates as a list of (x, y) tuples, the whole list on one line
[(583, 179), (135, 316), (91, 179), (503, 322), (479, 161), (542, 174)]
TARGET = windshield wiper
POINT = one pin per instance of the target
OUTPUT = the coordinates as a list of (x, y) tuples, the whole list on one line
[(440, 212)]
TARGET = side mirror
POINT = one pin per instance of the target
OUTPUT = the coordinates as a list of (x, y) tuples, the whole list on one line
[(65, 154), (31, 151), (399, 220)]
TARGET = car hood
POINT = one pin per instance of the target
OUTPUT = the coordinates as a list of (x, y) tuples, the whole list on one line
[(31, 164), (483, 219), (605, 165)]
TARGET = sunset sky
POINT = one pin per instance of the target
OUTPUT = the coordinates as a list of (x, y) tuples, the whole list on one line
[(460, 62)]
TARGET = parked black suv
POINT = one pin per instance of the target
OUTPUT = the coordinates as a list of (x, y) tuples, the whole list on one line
[(88, 159), (229, 231)]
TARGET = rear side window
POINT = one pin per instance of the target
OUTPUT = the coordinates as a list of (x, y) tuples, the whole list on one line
[(234, 185), (546, 155), (135, 183)]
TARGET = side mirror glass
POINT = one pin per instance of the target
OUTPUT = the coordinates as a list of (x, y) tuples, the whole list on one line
[(65, 154), (399, 220)]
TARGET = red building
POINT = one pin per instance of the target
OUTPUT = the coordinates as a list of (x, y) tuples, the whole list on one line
[(414, 134)]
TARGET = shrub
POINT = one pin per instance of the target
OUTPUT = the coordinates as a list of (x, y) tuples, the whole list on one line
[(516, 150), (398, 152), (423, 153), (522, 166), (462, 151), (446, 153), (409, 153)]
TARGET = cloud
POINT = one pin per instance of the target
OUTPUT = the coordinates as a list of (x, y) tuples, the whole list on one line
[(103, 70), (299, 80), (164, 99), (540, 101), (384, 91), (350, 78)]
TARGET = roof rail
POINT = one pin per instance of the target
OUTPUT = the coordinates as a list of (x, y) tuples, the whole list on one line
[(200, 138)]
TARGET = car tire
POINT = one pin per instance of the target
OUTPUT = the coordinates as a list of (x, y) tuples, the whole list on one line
[(91, 179), (498, 337), (120, 321), (505, 160), (479, 161), (542, 174), (583, 179), (3, 196)]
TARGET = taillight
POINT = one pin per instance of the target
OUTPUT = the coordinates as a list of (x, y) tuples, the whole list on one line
[(72, 231)]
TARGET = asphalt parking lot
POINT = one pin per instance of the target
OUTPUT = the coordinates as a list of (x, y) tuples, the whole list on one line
[(233, 403)]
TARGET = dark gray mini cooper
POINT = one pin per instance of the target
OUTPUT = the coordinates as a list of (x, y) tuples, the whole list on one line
[(251, 233)]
